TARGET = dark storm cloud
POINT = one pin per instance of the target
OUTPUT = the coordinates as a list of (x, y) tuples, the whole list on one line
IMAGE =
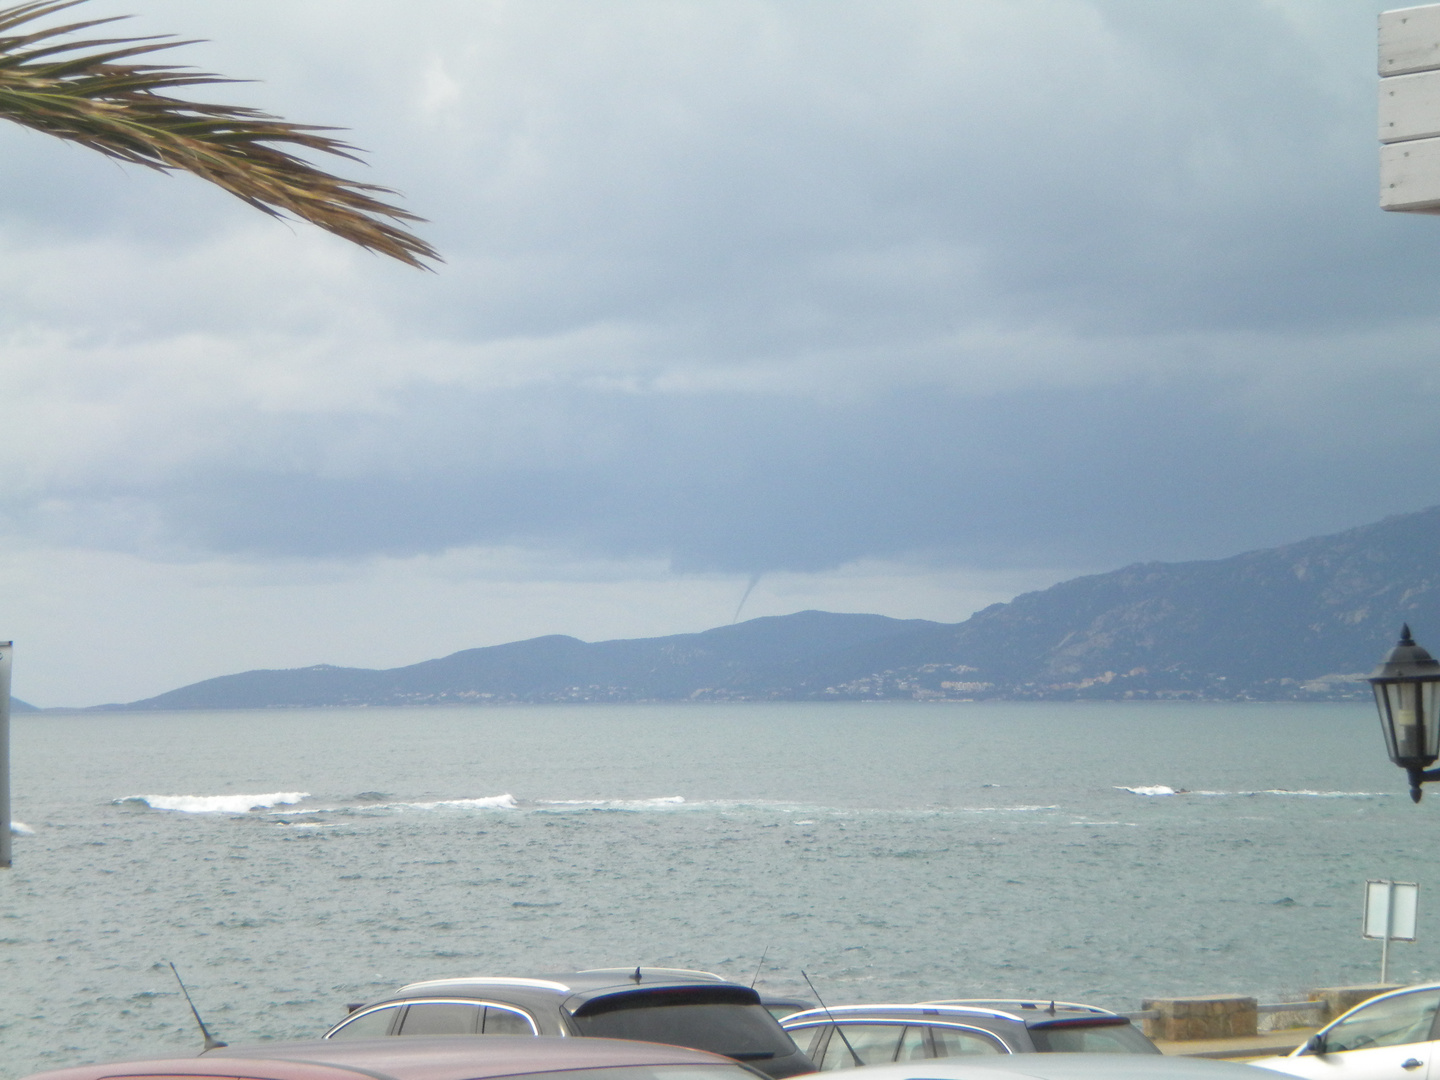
[(771, 286), (734, 484)]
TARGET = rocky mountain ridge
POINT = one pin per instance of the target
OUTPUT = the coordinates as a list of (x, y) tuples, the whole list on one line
[(1300, 622)]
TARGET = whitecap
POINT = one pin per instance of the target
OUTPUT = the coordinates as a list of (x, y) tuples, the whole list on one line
[(19, 828), (663, 800), (491, 802), (215, 804), (1329, 794), (1150, 789), (1300, 793)]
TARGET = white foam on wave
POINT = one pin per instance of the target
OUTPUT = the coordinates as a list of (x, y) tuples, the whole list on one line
[(628, 804), (1302, 793), (215, 804), (19, 828), (491, 802), (1324, 794)]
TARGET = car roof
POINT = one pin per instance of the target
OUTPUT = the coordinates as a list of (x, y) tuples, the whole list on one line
[(1022, 1011), (1021, 1006), (934, 1011), (413, 1058), (597, 982), (566, 982), (1058, 1067)]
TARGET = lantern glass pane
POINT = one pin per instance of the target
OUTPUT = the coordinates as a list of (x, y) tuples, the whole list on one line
[(1382, 704), (1410, 715), (1430, 707)]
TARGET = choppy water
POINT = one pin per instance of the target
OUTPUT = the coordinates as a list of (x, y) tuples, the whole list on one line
[(290, 862)]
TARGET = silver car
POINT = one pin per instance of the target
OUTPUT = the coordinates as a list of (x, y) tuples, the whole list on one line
[(1386, 1038), (846, 1036)]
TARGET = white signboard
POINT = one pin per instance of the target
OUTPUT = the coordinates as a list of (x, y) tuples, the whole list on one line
[(1410, 110), (1390, 908)]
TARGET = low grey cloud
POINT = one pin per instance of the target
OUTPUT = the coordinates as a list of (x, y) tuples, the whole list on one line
[(731, 483)]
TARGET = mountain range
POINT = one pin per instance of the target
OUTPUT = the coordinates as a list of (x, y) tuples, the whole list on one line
[(1304, 621)]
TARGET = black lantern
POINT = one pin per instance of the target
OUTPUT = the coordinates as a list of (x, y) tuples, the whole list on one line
[(1407, 693)]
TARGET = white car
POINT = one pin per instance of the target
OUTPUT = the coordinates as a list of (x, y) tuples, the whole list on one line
[(1056, 1067), (1389, 1037)]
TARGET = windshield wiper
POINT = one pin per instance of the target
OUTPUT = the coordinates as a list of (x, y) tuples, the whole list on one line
[(754, 1055)]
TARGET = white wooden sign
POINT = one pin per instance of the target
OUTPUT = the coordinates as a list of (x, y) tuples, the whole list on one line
[(1390, 909), (1409, 114), (1410, 40)]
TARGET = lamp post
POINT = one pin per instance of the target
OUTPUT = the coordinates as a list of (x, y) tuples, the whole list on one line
[(1407, 694)]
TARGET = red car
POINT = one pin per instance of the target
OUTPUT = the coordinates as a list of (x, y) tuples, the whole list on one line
[(443, 1057)]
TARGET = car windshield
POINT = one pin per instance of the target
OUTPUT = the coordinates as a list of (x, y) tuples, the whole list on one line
[(734, 1028), (1393, 1021), (1119, 1038)]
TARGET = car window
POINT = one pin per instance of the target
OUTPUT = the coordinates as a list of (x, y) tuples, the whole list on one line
[(500, 1021), (1091, 1039), (912, 1045), (805, 1037), (1406, 1018), (440, 1018), (952, 1042), (366, 1025), (873, 1044)]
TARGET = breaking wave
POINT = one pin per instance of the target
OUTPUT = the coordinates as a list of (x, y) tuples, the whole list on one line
[(1301, 793), (492, 802), (1310, 794), (214, 804), (19, 828), (614, 804)]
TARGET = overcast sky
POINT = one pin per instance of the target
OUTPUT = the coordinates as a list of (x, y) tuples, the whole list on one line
[(905, 307)]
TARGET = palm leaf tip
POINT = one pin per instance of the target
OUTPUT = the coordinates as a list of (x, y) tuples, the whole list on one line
[(98, 93)]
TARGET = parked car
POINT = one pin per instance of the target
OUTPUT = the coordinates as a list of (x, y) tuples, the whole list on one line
[(1062, 1067), (687, 1008), (1392, 1035), (852, 1035), (429, 1059)]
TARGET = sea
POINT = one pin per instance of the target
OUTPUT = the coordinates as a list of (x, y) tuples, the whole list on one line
[(291, 862)]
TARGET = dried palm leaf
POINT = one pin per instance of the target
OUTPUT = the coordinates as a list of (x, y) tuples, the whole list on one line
[(93, 93)]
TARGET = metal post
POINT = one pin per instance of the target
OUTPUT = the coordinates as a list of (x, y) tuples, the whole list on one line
[(1389, 930), (6, 647)]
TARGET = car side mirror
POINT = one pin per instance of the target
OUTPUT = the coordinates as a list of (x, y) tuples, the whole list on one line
[(1315, 1044)]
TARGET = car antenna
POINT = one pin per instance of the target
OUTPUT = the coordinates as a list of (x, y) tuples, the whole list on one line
[(211, 1043), (1051, 1010), (838, 1029), (760, 967), (636, 976)]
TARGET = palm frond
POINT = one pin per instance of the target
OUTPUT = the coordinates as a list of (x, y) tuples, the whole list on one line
[(95, 93)]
